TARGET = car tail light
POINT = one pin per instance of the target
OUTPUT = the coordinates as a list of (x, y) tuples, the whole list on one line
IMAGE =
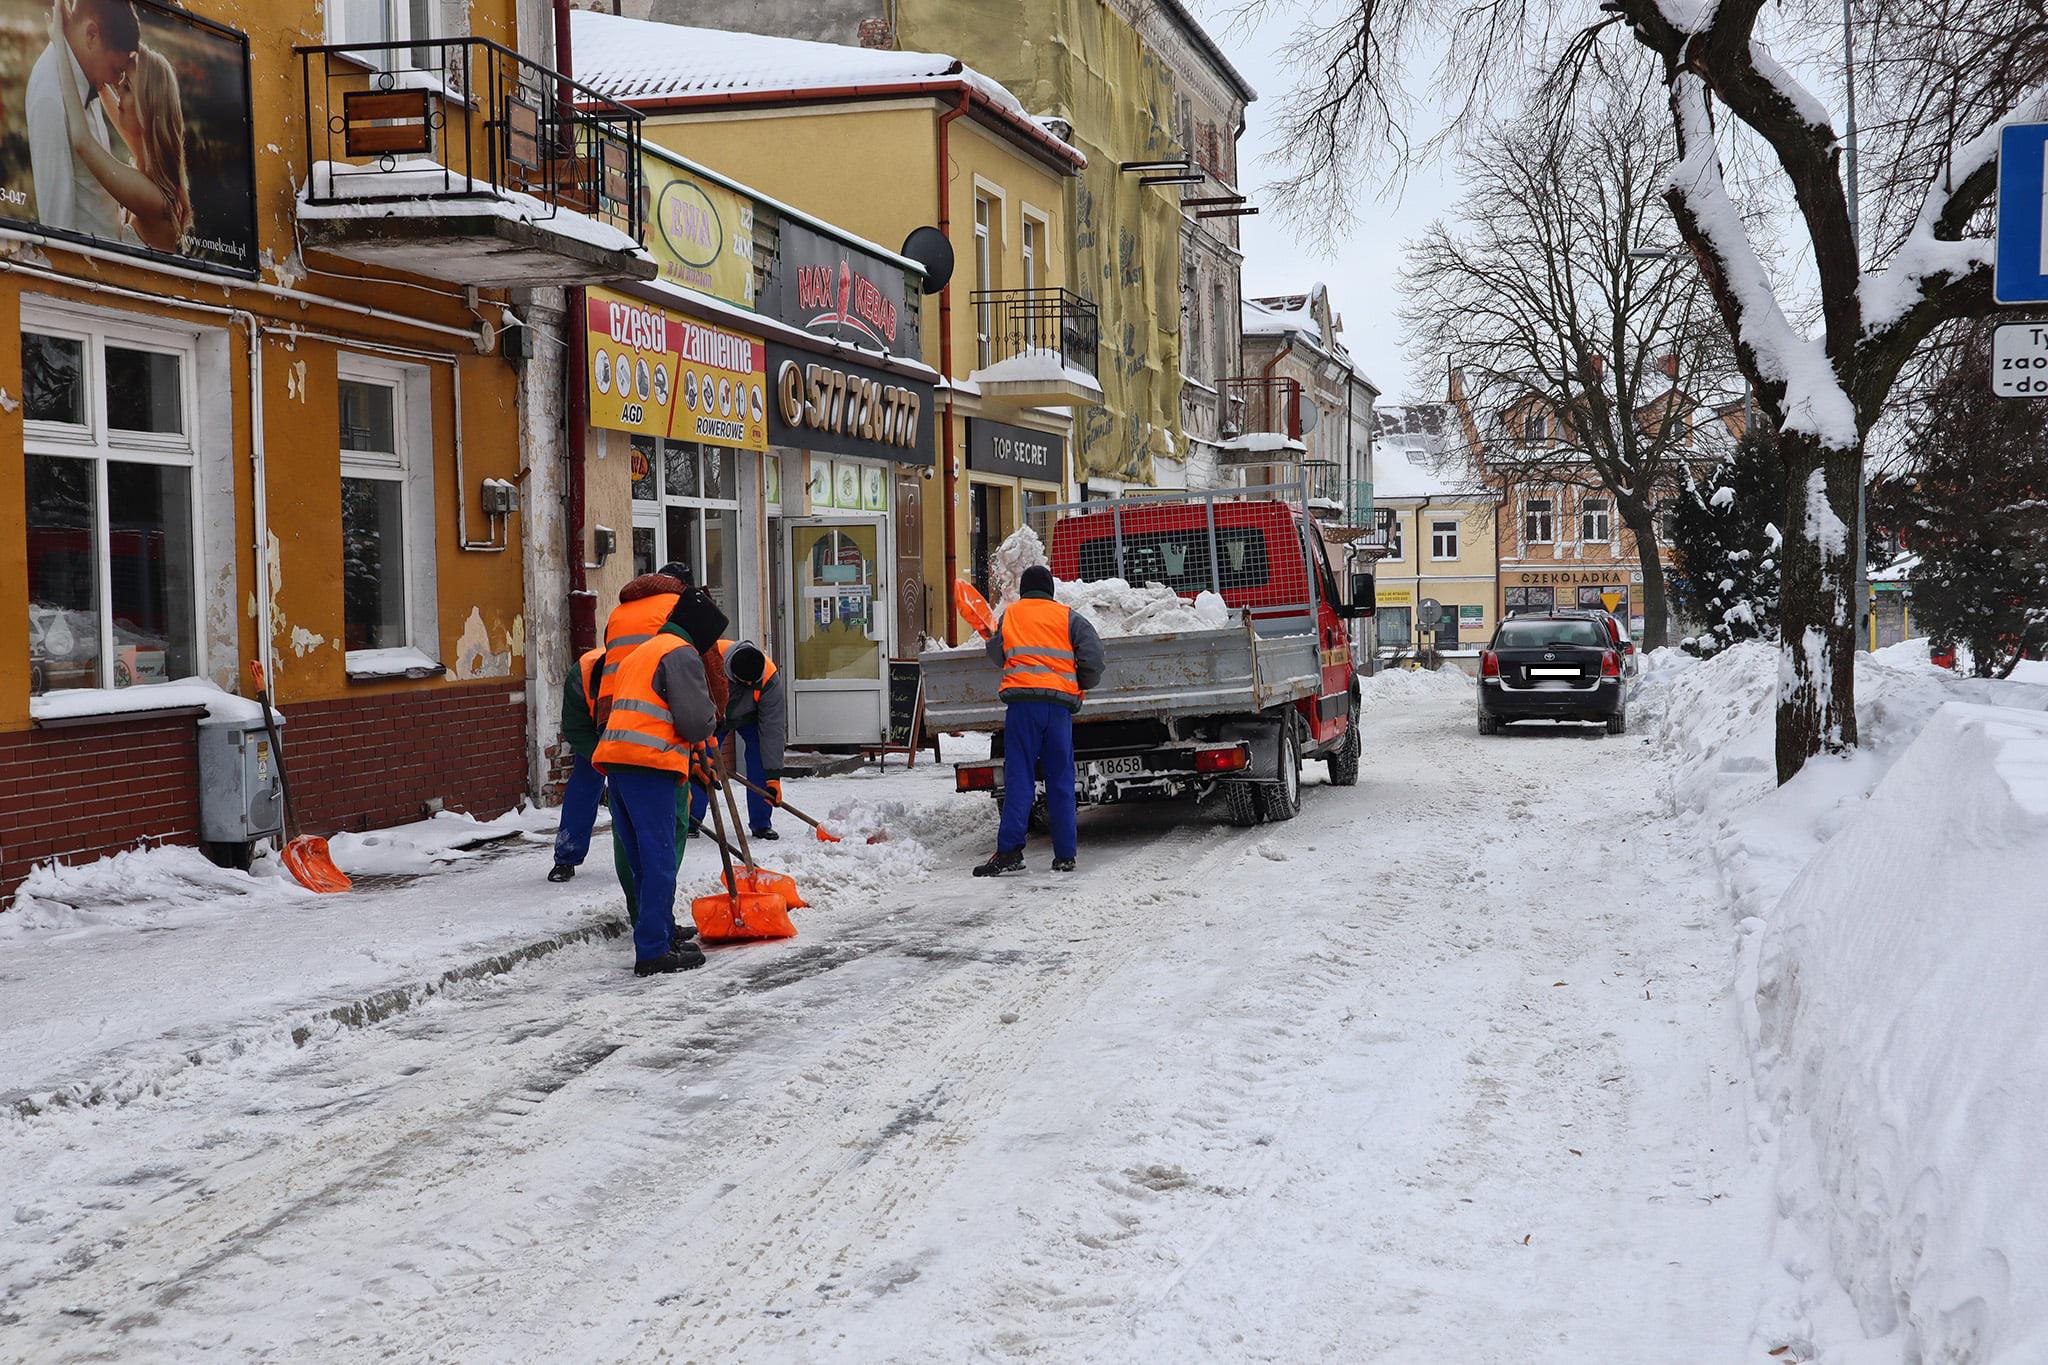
[(1489, 664), (1229, 758), (1610, 665), (977, 778)]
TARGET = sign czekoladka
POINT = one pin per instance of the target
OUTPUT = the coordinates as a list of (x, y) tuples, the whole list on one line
[(656, 373)]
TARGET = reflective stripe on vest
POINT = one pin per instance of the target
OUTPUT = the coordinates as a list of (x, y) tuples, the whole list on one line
[(638, 726), (1038, 648), (631, 625), (725, 649)]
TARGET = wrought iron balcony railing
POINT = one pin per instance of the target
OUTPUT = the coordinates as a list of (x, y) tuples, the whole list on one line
[(1025, 322), (1269, 404), (465, 118)]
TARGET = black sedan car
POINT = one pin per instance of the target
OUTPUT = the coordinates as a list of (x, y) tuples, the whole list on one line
[(1551, 668)]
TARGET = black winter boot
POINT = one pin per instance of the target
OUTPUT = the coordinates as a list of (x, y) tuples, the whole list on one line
[(1002, 862), (768, 834), (561, 872), (677, 959), (1063, 864)]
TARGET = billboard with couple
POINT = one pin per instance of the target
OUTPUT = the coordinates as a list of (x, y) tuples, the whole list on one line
[(111, 113)]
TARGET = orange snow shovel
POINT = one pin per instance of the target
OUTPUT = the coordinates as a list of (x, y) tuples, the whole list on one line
[(973, 608), (825, 836), (304, 856), (736, 913), (761, 879)]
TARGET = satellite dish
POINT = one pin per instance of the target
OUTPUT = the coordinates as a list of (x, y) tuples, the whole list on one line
[(1310, 415), (929, 248)]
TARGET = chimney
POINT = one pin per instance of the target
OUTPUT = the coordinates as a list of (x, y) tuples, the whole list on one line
[(1594, 364), (1668, 362)]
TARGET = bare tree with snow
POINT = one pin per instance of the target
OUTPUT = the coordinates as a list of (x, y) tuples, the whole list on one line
[(1537, 292), (1947, 75)]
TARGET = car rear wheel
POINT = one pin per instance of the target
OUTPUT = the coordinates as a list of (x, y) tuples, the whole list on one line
[(1488, 725), (1617, 724), (1343, 760), (1245, 806), (1282, 800)]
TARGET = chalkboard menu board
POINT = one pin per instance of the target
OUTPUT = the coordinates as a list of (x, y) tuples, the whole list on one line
[(906, 703)]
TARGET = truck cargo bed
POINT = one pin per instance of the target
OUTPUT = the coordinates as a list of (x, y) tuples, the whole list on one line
[(1228, 671)]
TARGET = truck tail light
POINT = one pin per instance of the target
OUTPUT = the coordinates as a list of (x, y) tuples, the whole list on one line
[(975, 777), (1610, 665), (1229, 758), (1489, 664)]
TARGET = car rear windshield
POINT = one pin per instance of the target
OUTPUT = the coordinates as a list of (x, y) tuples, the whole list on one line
[(1179, 558), (1527, 634)]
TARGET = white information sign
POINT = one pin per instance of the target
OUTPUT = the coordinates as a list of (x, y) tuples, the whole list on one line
[(2019, 360)]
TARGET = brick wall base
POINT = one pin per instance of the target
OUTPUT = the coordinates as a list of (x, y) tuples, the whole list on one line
[(355, 763)]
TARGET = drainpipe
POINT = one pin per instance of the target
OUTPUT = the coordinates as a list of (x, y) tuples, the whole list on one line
[(1266, 374), (259, 497), (575, 415), (948, 482)]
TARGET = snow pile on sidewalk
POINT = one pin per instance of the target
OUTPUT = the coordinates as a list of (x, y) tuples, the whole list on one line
[(1117, 608), (138, 888), (1405, 686), (1883, 970), (446, 837), (1904, 1053)]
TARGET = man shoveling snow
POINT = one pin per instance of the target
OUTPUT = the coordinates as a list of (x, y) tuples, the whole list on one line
[(1050, 656)]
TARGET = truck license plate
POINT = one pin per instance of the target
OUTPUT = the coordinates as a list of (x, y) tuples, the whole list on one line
[(1130, 766)]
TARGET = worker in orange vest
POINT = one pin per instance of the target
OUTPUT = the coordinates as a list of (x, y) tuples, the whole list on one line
[(585, 789), (1050, 657), (756, 714), (656, 714)]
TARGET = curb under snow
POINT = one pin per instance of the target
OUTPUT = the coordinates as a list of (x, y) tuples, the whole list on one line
[(363, 1012)]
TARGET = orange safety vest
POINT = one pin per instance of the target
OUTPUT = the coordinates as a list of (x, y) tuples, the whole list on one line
[(631, 625), (725, 649), (587, 676), (638, 727), (1038, 649)]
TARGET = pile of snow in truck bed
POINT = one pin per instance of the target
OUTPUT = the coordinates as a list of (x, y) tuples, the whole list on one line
[(1115, 608)]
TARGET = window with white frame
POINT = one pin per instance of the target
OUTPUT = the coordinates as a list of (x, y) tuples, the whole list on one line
[(1535, 426), (387, 536), (686, 510), (1394, 542), (1033, 244), (112, 531), (1443, 540), (1596, 520), (385, 21), (984, 279), (1538, 521)]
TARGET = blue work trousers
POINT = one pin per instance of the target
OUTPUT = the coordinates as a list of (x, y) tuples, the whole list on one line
[(1038, 738), (760, 811), (580, 800), (643, 802)]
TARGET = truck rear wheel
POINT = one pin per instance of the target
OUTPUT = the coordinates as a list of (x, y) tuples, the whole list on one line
[(1246, 809), (1343, 759), (1282, 800)]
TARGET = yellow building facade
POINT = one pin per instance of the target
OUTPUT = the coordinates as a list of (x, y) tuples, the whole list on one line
[(254, 411), (896, 143), (1437, 585)]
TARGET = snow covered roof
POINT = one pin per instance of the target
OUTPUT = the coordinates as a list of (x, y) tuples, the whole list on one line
[(1400, 470), (1899, 570), (637, 61), (1293, 315)]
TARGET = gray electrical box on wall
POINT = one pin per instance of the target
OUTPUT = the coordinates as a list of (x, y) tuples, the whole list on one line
[(240, 797)]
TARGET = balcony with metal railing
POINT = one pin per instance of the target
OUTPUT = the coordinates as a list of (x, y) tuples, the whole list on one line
[(1036, 347), (459, 160), (1273, 416)]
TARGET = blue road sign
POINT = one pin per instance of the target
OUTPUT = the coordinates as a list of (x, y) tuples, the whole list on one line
[(2020, 270)]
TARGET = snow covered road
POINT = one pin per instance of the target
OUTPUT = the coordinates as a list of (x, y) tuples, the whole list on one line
[(1444, 1069)]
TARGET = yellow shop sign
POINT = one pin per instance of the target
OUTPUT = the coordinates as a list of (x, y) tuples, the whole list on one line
[(657, 373)]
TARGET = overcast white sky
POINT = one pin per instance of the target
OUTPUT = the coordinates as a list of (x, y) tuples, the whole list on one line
[(1361, 273)]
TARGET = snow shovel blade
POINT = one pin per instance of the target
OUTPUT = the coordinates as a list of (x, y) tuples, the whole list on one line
[(307, 859), (826, 836), (771, 884), (973, 607), (728, 916)]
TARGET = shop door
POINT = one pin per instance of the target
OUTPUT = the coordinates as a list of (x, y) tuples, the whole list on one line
[(839, 629)]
